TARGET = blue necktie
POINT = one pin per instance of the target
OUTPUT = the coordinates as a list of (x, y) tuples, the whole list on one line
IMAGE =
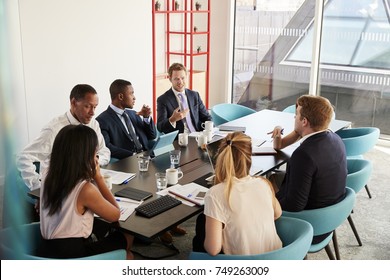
[(183, 101), (130, 127)]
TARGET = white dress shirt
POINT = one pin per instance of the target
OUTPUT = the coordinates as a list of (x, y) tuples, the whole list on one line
[(39, 150)]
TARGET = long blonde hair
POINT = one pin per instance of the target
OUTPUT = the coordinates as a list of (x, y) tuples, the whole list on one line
[(234, 159)]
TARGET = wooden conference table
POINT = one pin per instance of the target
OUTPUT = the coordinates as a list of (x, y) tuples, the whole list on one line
[(195, 164)]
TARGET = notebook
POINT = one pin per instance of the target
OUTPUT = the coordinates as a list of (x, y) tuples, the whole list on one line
[(212, 152), (232, 128), (262, 147), (134, 194), (164, 143)]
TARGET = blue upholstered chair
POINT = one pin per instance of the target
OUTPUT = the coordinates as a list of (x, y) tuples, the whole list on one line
[(290, 109), (327, 219), (20, 242), (359, 172), (295, 234), (225, 112), (359, 140)]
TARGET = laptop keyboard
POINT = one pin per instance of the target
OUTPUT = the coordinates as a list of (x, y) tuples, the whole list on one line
[(157, 206)]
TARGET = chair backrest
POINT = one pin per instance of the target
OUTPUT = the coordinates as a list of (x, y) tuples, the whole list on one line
[(20, 243), (225, 112), (290, 109), (295, 234), (327, 219), (359, 140), (359, 172)]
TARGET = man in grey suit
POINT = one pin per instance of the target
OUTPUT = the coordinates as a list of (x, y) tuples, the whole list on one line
[(180, 108), (125, 131)]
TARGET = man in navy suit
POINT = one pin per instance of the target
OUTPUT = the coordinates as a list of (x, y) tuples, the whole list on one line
[(125, 131), (317, 170), (180, 108)]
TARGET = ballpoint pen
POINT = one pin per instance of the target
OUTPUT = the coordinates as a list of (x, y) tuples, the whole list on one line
[(126, 181), (127, 200)]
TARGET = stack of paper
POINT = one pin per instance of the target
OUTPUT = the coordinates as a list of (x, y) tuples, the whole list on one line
[(118, 177), (189, 192)]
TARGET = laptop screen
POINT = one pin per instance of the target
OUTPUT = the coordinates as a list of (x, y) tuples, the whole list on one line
[(212, 152)]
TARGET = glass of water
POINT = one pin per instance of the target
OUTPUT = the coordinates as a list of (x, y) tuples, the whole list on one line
[(143, 163), (174, 155), (161, 181)]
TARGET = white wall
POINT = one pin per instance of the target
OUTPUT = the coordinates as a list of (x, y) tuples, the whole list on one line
[(55, 44), (88, 41)]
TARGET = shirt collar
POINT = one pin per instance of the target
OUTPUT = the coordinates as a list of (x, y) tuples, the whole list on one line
[(311, 134), (177, 92), (117, 110), (71, 118)]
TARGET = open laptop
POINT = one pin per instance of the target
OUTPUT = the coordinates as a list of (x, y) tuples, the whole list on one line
[(163, 144)]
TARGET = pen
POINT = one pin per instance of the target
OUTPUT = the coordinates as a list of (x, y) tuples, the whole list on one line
[(127, 200), (261, 143), (126, 181)]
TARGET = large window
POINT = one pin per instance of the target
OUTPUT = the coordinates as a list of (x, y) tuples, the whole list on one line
[(273, 52)]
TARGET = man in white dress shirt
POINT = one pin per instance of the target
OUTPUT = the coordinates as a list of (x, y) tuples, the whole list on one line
[(83, 102)]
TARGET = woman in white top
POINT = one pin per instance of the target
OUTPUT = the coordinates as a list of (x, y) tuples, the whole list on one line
[(240, 210), (73, 191)]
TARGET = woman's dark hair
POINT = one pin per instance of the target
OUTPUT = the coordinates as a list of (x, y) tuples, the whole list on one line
[(72, 160)]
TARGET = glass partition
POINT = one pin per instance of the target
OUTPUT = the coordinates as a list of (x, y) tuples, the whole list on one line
[(273, 51)]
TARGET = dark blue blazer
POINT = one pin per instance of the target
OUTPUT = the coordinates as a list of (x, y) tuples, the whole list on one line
[(316, 174), (115, 134), (167, 103)]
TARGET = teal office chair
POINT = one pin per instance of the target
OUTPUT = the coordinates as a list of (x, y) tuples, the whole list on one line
[(20, 243), (359, 172), (18, 207), (327, 219), (295, 234), (291, 109), (225, 112), (359, 140)]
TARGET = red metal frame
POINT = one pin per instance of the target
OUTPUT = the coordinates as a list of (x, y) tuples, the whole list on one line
[(186, 33)]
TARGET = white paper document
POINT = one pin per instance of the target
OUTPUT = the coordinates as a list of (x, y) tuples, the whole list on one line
[(189, 192), (118, 177), (127, 207), (166, 192)]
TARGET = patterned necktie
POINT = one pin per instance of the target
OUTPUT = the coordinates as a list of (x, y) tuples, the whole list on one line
[(183, 101), (130, 127)]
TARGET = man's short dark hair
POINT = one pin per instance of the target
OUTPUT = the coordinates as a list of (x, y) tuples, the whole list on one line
[(118, 86), (79, 91)]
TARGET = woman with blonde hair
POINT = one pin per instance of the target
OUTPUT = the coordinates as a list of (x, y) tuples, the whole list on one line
[(240, 209)]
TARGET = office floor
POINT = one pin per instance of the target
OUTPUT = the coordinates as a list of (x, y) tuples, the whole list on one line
[(371, 217)]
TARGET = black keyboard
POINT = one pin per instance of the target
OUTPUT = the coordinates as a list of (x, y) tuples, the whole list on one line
[(157, 206)]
